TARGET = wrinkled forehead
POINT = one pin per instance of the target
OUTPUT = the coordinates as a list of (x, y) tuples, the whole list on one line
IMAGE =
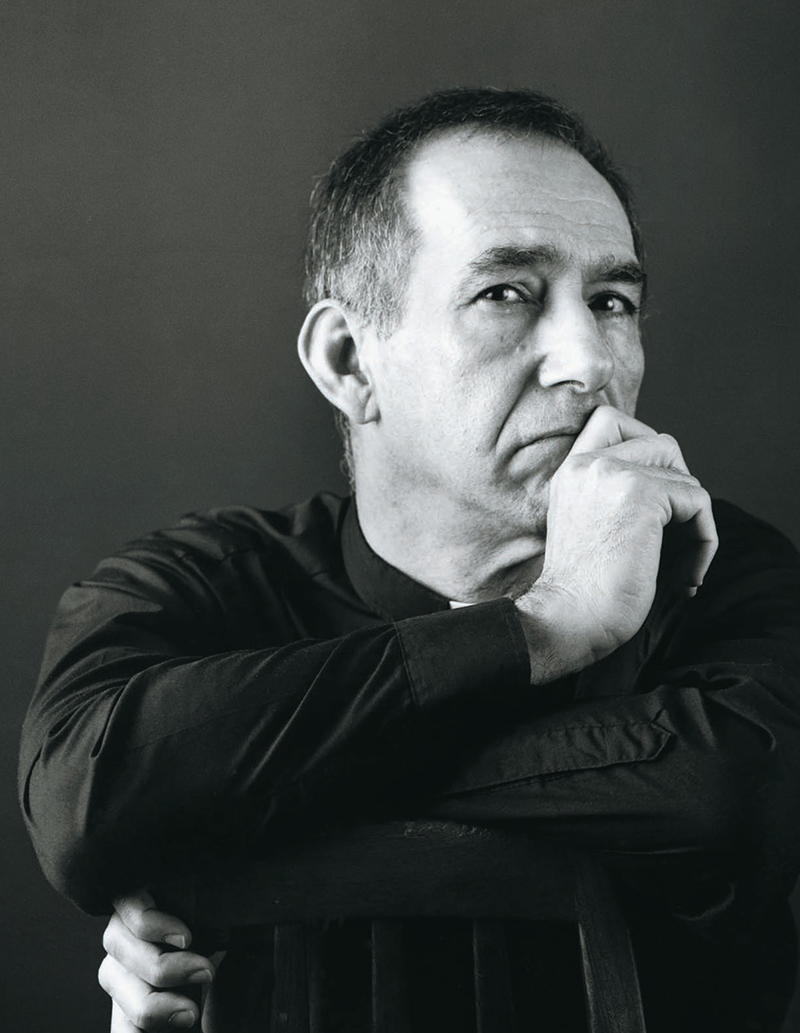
[(468, 189)]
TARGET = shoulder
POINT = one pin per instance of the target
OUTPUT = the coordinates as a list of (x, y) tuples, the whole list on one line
[(752, 588), (745, 539), (213, 578), (306, 531)]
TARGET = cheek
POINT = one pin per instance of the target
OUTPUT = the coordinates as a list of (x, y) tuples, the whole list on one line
[(490, 336), (629, 369), (490, 361)]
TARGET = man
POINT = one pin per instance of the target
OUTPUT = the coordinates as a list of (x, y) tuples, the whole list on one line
[(475, 283)]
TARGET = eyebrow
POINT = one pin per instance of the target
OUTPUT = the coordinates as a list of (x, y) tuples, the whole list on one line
[(511, 256), (619, 272)]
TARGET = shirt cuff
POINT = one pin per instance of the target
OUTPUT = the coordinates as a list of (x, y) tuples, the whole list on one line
[(470, 650)]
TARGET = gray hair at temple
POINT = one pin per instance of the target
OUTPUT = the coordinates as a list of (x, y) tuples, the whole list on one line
[(362, 238)]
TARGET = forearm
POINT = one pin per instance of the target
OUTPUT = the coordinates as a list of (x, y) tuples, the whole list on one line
[(692, 792), (683, 748), (122, 770)]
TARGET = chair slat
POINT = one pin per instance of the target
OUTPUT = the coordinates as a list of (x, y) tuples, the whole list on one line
[(494, 1001), (389, 991), (290, 1013), (613, 1001)]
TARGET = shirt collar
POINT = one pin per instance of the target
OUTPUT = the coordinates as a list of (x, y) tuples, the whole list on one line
[(384, 588)]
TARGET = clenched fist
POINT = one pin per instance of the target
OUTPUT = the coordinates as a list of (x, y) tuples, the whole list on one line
[(610, 500)]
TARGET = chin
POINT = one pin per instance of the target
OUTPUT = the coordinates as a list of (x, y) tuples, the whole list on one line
[(527, 511)]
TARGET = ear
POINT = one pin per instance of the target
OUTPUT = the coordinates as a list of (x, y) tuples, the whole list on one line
[(329, 348)]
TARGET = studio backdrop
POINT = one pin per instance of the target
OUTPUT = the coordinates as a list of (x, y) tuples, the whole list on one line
[(156, 162)]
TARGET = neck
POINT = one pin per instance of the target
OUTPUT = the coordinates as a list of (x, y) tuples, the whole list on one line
[(456, 552)]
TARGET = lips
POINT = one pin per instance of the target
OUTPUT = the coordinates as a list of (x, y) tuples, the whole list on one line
[(564, 432), (561, 438), (553, 435), (544, 447), (571, 430)]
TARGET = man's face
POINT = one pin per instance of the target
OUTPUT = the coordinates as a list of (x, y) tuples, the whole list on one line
[(521, 317)]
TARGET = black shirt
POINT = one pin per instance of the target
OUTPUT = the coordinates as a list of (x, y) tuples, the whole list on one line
[(244, 676)]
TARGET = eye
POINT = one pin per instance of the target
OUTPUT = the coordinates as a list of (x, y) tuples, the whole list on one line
[(504, 293), (609, 303)]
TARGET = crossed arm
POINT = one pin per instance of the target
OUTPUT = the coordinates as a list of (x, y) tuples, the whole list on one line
[(700, 694)]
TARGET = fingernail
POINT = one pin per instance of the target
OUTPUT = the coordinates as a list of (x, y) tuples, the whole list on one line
[(182, 1019), (176, 940), (202, 975)]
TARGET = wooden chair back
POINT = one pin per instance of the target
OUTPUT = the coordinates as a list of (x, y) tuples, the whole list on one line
[(422, 868)]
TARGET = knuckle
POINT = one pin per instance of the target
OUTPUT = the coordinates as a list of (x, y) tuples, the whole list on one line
[(141, 1017), (149, 1016), (702, 498), (583, 461), (109, 941), (570, 464), (133, 911), (627, 478), (672, 447), (135, 921), (104, 975), (143, 1013), (159, 971)]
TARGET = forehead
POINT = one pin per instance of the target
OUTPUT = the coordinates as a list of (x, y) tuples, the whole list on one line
[(469, 192)]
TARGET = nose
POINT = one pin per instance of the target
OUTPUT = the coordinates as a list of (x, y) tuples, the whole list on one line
[(572, 348)]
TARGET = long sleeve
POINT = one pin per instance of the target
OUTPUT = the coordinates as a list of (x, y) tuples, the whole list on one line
[(680, 758), (209, 690), (183, 705)]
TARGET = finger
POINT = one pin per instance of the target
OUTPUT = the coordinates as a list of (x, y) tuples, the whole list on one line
[(706, 542), (142, 1006), (156, 966), (608, 426), (681, 498), (138, 912), (657, 450), (691, 506), (120, 1023)]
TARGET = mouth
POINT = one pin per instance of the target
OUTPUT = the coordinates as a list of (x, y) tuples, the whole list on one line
[(551, 444), (544, 453), (577, 421), (553, 435), (565, 432)]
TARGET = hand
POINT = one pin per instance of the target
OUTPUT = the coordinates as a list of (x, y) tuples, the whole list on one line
[(140, 976), (610, 500)]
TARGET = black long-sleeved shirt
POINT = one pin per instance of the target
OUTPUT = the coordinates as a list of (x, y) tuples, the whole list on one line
[(243, 676)]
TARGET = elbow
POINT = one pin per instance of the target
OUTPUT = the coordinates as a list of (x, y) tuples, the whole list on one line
[(737, 802), (73, 858), (75, 829), (67, 780)]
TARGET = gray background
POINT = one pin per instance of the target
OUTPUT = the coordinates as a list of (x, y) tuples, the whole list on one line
[(155, 165)]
